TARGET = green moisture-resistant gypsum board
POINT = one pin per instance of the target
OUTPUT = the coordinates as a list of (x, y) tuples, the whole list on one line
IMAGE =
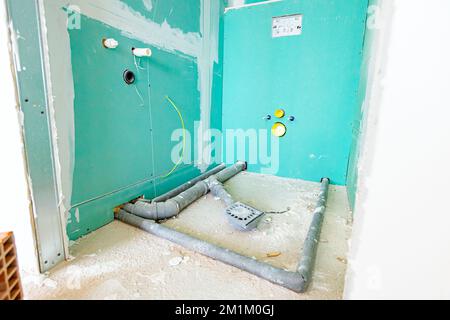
[(106, 137), (313, 77)]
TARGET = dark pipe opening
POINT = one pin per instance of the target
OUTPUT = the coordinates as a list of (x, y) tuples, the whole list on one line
[(128, 77)]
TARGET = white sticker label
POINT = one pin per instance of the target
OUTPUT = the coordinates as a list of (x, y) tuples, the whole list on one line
[(287, 26)]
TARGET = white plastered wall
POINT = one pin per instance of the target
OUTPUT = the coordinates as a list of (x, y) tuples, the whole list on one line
[(401, 243), (15, 211)]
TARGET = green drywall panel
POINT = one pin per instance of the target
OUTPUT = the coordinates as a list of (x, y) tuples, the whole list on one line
[(314, 77), (123, 132), (112, 134)]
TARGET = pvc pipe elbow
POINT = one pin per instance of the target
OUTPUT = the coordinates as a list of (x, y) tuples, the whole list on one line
[(142, 209), (167, 210), (154, 211)]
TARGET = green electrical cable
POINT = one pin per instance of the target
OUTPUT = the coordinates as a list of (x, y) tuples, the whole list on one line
[(184, 137)]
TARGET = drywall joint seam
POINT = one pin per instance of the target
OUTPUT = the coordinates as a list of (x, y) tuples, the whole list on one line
[(113, 192)]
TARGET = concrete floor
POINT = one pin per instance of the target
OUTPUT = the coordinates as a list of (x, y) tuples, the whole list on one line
[(121, 262)]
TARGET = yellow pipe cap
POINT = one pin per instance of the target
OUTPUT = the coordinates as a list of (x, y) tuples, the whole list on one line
[(280, 113)]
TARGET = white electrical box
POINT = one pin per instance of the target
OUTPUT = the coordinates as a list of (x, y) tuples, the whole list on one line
[(287, 26)]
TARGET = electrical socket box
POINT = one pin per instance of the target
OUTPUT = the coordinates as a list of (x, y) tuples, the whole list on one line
[(287, 26)]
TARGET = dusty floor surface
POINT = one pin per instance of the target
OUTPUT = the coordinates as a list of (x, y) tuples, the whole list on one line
[(121, 262)]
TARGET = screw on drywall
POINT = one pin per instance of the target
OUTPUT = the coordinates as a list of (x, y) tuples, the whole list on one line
[(268, 117), (291, 118)]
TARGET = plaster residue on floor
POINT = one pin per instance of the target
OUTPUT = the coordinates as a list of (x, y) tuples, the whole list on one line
[(122, 262)]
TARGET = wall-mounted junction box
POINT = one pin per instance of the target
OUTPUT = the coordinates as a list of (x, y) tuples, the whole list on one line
[(286, 26)]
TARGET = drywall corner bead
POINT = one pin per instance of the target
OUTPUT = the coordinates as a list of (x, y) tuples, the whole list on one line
[(60, 93)]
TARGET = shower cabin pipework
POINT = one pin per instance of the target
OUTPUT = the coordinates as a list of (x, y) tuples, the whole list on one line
[(297, 281), (173, 206)]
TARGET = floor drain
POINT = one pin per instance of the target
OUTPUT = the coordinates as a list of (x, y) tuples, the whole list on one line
[(243, 217)]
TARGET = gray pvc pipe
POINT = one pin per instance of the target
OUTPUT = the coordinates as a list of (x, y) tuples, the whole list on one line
[(188, 184), (287, 279), (215, 183), (230, 172), (173, 206), (218, 190), (309, 254), (296, 281)]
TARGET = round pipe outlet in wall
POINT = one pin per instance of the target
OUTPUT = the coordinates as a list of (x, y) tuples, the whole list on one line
[(110, 43), (129, 77), (279, 130)]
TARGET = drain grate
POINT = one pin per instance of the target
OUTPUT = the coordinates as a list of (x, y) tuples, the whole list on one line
[(243, 217)]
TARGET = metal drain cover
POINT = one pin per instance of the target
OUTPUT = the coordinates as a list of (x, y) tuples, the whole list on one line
[(243, 217)]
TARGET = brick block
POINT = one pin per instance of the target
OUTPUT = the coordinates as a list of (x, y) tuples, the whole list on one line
[(10, 284)]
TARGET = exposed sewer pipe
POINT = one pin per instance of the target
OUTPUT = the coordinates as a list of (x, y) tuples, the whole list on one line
[(187, 185), (173, 206), (296, 281), (307, 261), (218, 190)]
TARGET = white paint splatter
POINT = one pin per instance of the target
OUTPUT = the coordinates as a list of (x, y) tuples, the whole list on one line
[(175, 261), (15, 47), (77, 215), (148, 4)]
